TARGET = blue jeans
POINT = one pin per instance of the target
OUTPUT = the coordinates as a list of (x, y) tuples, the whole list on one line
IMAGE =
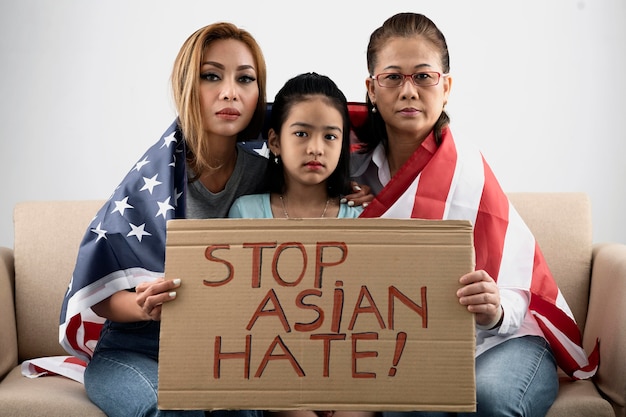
[(122, 377), (516, 378)]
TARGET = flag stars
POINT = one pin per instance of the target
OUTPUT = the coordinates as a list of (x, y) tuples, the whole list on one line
[(121, 205), (141, 163), (164, 207), (69, 287), (176, 196), (263, 150), (169, 140), (99, 231), (150, 183), (138, 231)]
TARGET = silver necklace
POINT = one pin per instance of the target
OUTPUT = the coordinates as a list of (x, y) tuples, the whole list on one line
[(282, 201)]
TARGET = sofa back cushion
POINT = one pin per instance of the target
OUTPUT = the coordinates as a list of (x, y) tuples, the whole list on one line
[(48, 233), (47, 236), (561, 224)]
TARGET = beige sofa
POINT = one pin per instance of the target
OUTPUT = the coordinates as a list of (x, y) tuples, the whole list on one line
[(34, 276)]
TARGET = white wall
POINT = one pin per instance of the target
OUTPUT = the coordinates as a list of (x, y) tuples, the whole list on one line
[(538, 85)]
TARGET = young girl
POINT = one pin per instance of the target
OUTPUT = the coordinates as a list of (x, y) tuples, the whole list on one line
[(309, 144), (309, 140)]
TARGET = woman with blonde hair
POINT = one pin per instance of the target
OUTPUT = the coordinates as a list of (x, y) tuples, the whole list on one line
[(111, 313)]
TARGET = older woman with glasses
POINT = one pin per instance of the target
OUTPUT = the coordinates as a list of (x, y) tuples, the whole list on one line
[(524, 328)]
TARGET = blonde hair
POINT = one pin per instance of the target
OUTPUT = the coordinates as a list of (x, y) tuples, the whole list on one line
[(186, 81)]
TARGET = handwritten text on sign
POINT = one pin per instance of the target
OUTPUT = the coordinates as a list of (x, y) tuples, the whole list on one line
[(327, 255)]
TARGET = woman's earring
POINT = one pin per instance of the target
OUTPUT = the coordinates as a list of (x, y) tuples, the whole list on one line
[(276, 160), (374, 110)]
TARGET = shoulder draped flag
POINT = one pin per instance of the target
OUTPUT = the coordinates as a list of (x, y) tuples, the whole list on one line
[(455, 182), (125, 242)]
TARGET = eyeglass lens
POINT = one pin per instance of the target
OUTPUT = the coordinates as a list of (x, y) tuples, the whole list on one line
[(420, 79)]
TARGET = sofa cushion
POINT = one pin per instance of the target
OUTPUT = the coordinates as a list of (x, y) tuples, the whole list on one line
[(561, 224), (50, 396), (579, 399), (41, 275)]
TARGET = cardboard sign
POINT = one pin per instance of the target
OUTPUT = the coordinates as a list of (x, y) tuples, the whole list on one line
[(317, 314)]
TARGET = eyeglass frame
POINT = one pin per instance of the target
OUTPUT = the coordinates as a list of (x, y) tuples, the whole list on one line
[(405, 76)]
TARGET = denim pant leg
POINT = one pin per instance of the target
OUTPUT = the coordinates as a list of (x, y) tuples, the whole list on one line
[(516, 378), (135, 393), (124, 383), (122, 377)]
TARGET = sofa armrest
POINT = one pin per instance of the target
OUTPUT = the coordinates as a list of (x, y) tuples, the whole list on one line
[(8, 332), (605, 321)]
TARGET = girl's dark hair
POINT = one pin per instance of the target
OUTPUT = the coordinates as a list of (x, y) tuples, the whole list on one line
[(298, 89), (401, 25)]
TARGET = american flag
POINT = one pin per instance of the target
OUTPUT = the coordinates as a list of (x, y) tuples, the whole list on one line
[(67, 366), (455, 182), (125, 242)]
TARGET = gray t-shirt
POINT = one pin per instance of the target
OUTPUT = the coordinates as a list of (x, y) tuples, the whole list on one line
[(248, 177)]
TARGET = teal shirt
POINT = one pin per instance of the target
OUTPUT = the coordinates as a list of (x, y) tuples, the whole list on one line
[(257, 206)]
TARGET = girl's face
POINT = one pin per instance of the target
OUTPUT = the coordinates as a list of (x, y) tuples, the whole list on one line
[(228, 87), (408, 110), (310, 141)]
